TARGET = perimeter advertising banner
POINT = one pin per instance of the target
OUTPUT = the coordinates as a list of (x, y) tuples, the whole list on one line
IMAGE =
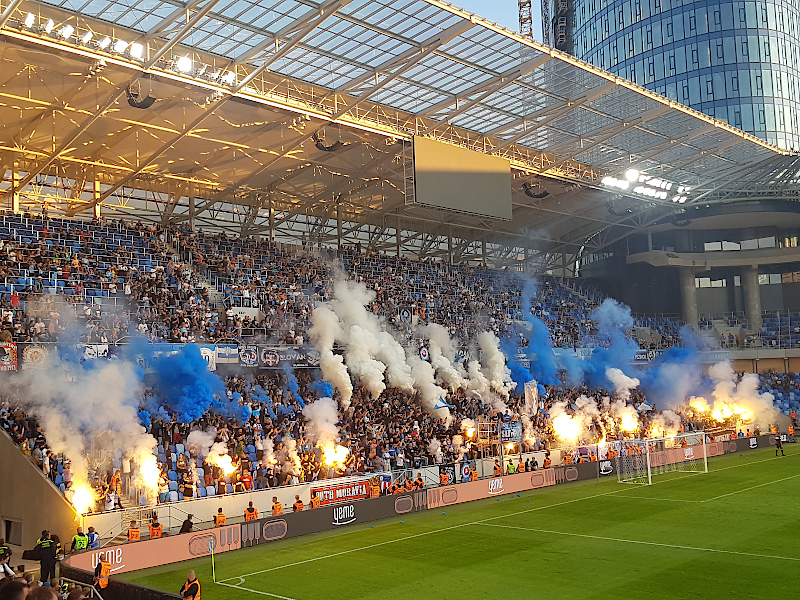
[(336, 494), (152, 553), (326, 518), (486, 488)]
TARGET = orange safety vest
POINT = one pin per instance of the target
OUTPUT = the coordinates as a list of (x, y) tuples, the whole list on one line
[(444, 479), (791, 429), (105, 571), (250, 514), (473, 476), (315, 502), (547, 462), (219, 520), (156, 531), (409, 485), (277, 509), (498, 470), (197, 595), (134, 534), (297, 505), (374, 491)]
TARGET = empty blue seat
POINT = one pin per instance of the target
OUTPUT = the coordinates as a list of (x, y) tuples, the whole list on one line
[(173, 486)]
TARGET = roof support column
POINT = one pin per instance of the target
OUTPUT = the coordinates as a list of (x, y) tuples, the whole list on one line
[(450, 245), (688, 296), (14, 189), (192, 207), (752, 296), (397, 237), (271, 220), (96, 198), (339, 224)]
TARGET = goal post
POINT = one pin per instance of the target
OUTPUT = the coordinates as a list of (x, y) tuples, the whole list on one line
[(638, 461)]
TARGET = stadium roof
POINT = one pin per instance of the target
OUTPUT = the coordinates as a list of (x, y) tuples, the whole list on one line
[(240, 86)]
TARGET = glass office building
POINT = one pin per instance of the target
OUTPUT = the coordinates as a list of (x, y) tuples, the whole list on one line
[(736, 61)]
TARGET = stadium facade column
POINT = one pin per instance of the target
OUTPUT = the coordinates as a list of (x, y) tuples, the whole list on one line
[(15, 190), (688, 295), (752, 296), (192, 209), (397, 237)]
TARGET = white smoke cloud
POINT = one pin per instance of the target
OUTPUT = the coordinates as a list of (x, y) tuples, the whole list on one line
[(442, 354), (321, 417), (325, 328), (499, 375), (622, 383)]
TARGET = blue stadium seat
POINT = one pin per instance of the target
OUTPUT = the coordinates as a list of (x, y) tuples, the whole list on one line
[(173, 486)]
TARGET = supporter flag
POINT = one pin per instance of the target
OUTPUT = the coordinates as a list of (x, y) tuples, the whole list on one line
[(440, 403), (423, 353)]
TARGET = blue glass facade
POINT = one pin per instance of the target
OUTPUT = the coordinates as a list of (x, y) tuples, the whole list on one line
[(736, 61)]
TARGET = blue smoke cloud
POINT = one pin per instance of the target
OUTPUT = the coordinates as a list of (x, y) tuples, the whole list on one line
[(261, 396), (544, 367), (614, 348), (184, 386), (144, 419), (519, 374), (322, 388), (292, 382)]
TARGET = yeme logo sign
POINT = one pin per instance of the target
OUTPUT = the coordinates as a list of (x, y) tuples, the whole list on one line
[(496, 486), (344, 515)]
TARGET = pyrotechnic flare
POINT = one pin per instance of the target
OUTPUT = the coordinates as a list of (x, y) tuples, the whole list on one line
[(218, 456)]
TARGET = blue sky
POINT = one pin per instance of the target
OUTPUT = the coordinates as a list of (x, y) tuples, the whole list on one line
[(504, 12)]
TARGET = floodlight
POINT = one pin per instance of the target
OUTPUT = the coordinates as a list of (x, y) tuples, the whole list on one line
[(632, 175), (136, 50), (66, 31), (184, 64), (119, 46), (104, 43), (48, 27), (86, 37), (30, 20)]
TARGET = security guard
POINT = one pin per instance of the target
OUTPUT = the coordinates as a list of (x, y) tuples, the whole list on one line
[(419, 483), (156, 529), (314, 501), (94, 539), (46, 548), (277, 507), (80, 541), (298, 504), (5, 558), (134, 533), (250, 513), (101, 572), (444, 478), (219, 518), (191, 589), (498, 470)]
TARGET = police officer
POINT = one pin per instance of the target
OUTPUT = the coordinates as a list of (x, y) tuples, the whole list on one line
[(46, 549), (80, 541)]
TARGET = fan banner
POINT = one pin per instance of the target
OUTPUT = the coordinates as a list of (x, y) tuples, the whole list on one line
[(297, 357)]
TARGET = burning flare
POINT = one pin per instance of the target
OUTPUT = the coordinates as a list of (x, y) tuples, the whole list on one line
[(220, 458), (334, 454), (566, 427), (83, 498)]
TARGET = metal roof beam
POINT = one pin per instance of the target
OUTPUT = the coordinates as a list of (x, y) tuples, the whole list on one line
[(6, 15), (180, 34)]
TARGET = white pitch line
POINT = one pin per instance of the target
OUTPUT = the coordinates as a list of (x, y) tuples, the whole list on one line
[(610, 539), (661, 499), (239, 587), (416, 535), (747, 489), (335, 554)]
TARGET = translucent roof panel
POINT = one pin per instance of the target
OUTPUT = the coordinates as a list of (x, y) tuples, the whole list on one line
[(419, 55)]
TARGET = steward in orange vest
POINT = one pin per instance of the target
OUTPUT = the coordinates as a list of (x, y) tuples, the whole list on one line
[(315, 501), (219, 518), (418, 482), (498, 470), (547, 462), (134, 533), (191, 589), (250, 513), (156, 529), (277, 507), (298, 504), (444, 478), (102, 572)]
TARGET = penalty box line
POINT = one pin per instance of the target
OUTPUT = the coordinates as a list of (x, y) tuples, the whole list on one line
[(642, 542), (241, 578)]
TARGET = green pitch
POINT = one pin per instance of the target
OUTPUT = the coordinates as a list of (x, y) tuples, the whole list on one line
[(734, 532)]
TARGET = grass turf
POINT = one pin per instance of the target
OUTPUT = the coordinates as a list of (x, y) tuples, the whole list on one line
[(733, 531)]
